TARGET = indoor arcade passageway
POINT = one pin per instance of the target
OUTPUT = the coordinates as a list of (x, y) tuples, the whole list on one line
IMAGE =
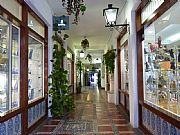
[(92, 116)]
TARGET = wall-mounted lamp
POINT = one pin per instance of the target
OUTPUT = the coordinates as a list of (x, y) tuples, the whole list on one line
[(110, 14), (81, 54)]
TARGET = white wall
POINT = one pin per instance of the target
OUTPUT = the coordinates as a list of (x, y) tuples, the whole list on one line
[(129, 14)]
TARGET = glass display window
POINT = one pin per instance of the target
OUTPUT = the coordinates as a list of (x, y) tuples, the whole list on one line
[(124, 68), (35, 69), (161, 51), (9, 66), (69, 70)]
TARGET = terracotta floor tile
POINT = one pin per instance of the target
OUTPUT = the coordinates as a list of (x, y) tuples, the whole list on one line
[(120, 122), (123, 128), (102, 117), (104, 128), (127, 133), (105, 122), (46, 129), (118, 117), (106, 134), (52, 122), (96, 112)]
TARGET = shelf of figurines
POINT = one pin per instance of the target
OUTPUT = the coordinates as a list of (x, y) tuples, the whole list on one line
[(162, 78)]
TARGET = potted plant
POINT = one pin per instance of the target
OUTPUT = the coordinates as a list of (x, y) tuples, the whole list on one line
[(108, 60), (78, 74), (62, 101)]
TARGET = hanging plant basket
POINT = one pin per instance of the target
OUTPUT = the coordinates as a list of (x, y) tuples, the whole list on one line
[(85, 44), (89, 57), (75, 7)]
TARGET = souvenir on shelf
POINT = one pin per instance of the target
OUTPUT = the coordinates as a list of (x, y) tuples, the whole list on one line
[(162, 75)]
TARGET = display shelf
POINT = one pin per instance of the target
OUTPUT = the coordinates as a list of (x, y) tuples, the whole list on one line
[(35, 69), (162, 80)]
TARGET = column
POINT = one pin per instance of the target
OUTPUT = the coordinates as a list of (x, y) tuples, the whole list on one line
[(132, 57)]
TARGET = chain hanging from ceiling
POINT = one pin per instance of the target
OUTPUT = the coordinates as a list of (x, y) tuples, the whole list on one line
[(75, 7)]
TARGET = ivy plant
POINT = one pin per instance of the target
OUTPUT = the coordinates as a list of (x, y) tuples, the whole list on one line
[(108, 60), (62, 101)]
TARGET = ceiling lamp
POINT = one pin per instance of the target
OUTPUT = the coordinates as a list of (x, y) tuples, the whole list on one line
[(110, 14), (85, 43), (74, 7), (81, 54)]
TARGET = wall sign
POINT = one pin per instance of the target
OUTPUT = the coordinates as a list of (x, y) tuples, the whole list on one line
[(61, 21)]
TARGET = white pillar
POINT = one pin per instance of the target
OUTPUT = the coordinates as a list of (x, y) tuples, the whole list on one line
[(105, 74), (102, 76), (132, 62), (116, 95)]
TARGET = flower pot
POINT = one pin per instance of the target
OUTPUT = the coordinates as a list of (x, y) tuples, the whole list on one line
[(78, 89)]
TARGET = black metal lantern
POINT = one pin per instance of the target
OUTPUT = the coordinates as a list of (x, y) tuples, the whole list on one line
[(110, 14)]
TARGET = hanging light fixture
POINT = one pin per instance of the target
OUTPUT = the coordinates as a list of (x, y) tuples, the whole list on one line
[(81, 54), (110, 14)]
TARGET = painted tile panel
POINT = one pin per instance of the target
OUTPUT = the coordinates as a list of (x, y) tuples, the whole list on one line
[(35, 113), (11, 126), (156, 125)]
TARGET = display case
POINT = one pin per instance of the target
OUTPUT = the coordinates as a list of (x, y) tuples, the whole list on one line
[(126, 74), (35, 69), (9, 66), (161, 51)]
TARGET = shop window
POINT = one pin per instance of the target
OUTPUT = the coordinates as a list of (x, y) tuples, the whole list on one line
[(13, 7), (9, 67), (161, 50), (124, 68), (35, 69), (35, 25)]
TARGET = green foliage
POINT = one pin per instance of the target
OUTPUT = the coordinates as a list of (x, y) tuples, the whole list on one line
[(62, 101), (108, 60), (89, 57)]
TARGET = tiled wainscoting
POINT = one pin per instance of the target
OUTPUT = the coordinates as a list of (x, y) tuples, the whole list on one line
[(11, 126), (35, 113), (156, 125)]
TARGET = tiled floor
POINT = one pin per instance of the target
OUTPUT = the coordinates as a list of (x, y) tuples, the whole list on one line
[(92, 116)]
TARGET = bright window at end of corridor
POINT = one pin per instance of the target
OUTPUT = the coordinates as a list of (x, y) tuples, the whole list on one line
[(161, 62)]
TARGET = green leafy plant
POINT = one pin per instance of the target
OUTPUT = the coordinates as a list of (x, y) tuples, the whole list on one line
[(108, 60), (78, 74), (62, 101), (89, 57)]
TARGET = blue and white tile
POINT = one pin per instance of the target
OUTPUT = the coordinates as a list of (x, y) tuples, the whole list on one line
[(41, 108), (30, 116), (10, 126), (17, 124), (34, 113), (158, 125), (3, 128), (153, 123), (173, 130), (165, 128), (148, 119)]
